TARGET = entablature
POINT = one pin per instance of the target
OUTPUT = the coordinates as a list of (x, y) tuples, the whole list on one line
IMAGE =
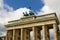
[(32, 19)]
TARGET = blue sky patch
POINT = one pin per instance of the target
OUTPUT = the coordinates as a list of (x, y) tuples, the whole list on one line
[(34, 5)]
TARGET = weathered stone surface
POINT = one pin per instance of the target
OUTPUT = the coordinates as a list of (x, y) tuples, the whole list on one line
[(35, 24)]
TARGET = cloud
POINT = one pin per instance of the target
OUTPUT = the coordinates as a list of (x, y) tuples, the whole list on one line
[(2, 30), (45, 10), (1, 2), (4, 11)]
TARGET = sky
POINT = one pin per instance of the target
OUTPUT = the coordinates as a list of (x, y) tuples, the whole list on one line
[(13, 9), (34, 5)]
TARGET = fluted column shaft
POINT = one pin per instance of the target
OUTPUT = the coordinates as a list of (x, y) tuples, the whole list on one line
[(38, 34)]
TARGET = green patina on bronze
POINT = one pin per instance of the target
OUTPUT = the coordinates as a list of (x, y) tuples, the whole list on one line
[(30, 13)]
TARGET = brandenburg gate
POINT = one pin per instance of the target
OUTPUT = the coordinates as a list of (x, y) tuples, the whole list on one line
[(20, 29)]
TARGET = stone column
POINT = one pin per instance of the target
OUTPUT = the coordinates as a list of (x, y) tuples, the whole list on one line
[(17, 34), (38, 34), (55, 31), (34, 35), (22, 34), (45, 33), (10, 35), (26, 34), (13, 34)]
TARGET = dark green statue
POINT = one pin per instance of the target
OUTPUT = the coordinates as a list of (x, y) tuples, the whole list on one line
[(25, 14), (30, 13)]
